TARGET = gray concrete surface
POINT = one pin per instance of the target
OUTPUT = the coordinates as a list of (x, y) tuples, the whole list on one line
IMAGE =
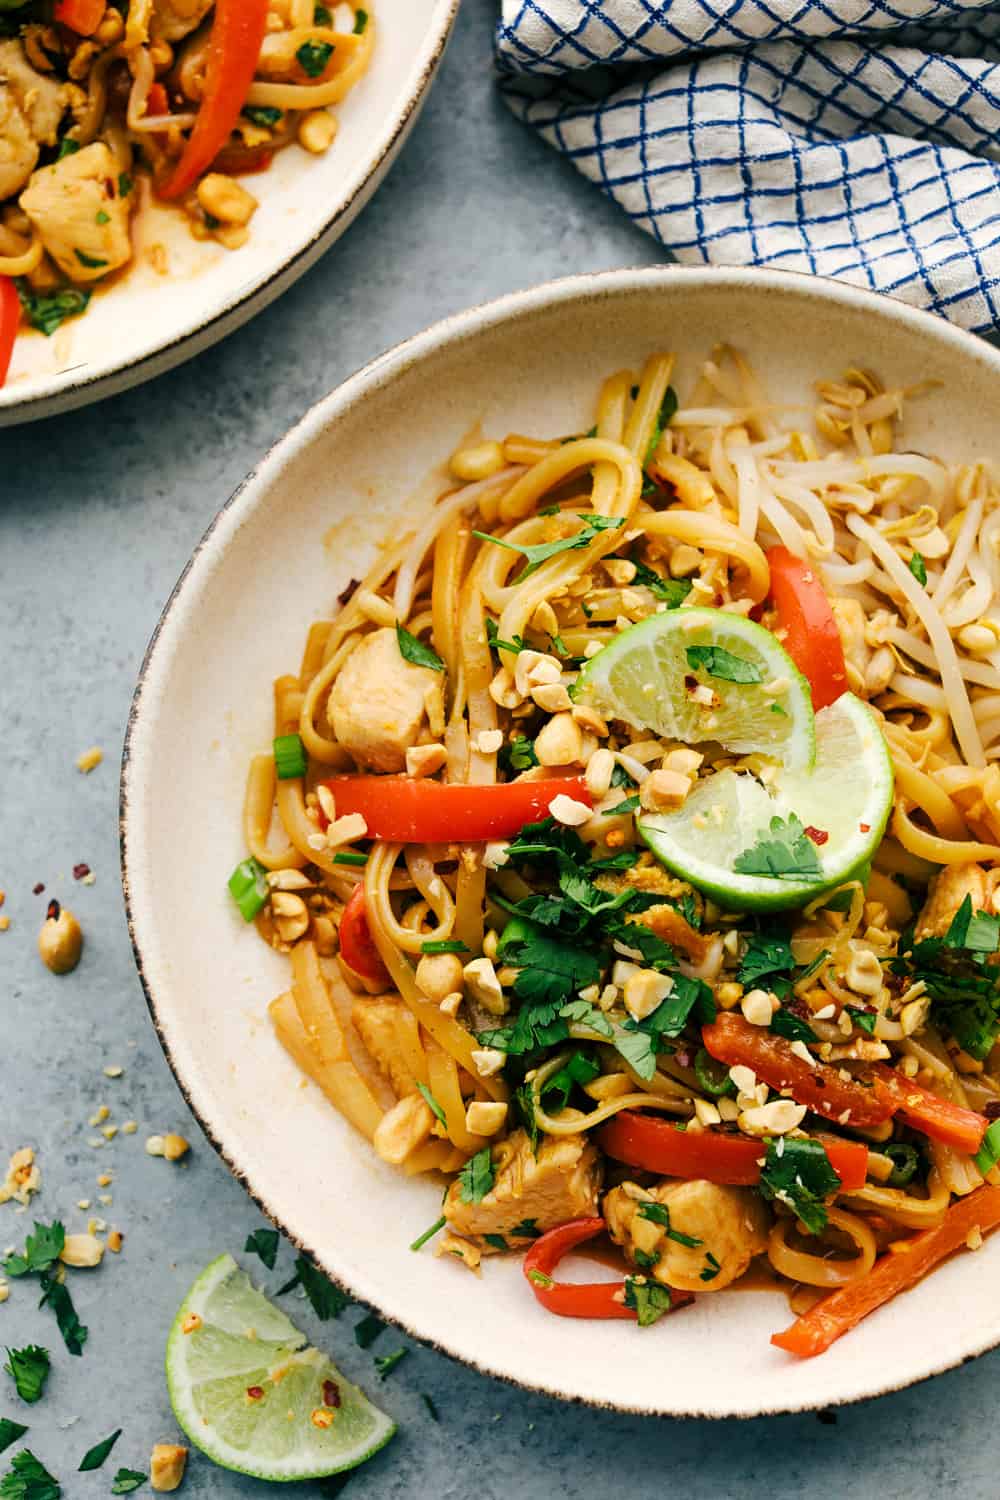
[(98, 513)]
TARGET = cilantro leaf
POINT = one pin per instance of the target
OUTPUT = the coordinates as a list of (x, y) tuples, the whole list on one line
[(638, 1048), (96, 1456), (313, 57), (711, 1268), (327, 1300), (476, 1178), (10, 1432), (659, 1213), (672, 591), (964, 987), (28, 1480), (57, 1296), (918, 568), (518, 754), (263, 1243), (29, 1370), (524, 1105), (668, 406), (585, 1014), (789, 854), (767, 952), (42, 1249), (798, 1173), (127, 1480), (540, 552), (550, 972), (787, 1024), (718, 662), (578, 1069), (864, 1020), (650, 1299), (435, 1107), (414, 651)]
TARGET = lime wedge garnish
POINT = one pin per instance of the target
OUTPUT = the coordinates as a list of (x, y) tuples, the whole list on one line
[(705, 674), (249, 1392), (842, 806)]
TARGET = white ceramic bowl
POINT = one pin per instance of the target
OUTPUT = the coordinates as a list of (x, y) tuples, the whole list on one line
[(304, 523), (149, 320)]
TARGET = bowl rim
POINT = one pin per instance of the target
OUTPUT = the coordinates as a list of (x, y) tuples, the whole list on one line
[(59, 392), (451, 330)]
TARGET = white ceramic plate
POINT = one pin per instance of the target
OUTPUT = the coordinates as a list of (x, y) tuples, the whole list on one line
[(303, 524), (175, 302)]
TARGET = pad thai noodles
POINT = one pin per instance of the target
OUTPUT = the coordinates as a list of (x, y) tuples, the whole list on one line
[(632, 830), (103, 103)]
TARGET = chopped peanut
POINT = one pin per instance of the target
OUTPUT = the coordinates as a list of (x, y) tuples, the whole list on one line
[(225, 199), (60, 941), (81, 1250), (662, 791), (317, 131), (166, 1466)]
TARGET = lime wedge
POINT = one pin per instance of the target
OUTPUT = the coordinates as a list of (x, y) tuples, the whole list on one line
[(844, 801), (705, 674), (249, 1392)]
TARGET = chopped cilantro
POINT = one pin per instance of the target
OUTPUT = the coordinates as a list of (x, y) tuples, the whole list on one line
[(518, 754), (710, 1269), (125, 186), (49, 311), (368, 1330), (797, 1172), (28, 1479), (435, 1107), (864, 1020), (97, 1455), (266, 116), (313, 57), (386, 1363), (649, 1299), (767, 952), (668, 407), (90, 261), (101, 217), (539, 1278), (578, 1069), (56, 1295), (540, 553), (659, 1213), (322, 16), (476, 1178), (432, 1410), (41, 1250), (718, 662), (963, 985), (67, 147), (445, 945), (497, 1241), (429, 1234), (621, 808), (514, 646), (10, 1432), (789, 854), (672, 591), (644, 1259), (327, 1301), (524, 1105), (263, 1243), (526, 1230), (414, 651), (787, 1024), (918, 568), (360, 21), (127, 1481), (29, 1370)]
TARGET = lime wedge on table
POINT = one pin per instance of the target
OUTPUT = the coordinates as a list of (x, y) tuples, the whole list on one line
[(244, 1386), (847, 797), (758, 700)]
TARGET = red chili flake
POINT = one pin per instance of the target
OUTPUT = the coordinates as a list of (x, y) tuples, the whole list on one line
[(52, 911), (818, 835), (255, 1392), (36, 890), (80, 870), (331, 1393), (865, 827), (346, 595)]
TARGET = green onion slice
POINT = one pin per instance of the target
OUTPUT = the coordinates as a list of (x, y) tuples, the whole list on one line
[(905, 1161), (989, 1152), (713, 1077), (289, 756), (249, 888)]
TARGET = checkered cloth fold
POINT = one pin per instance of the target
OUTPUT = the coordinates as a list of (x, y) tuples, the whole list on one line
[(849, 138)]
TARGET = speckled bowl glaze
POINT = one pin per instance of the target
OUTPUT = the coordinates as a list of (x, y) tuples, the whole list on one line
[(307, 520), (172, 304)]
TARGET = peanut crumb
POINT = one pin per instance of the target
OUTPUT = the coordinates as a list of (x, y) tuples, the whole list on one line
[(113, 1071), (130, 1127), (4, 923), (89, 759)]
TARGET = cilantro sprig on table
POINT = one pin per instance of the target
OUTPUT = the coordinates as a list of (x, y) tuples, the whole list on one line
[(29, 1370), (41, 1254), (963, 984), (28, 1479)]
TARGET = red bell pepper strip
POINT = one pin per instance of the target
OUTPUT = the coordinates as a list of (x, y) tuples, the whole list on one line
[(939, 1118), (806, 626), (659, 1146), (233, 51), (592, 1299), (408, 811), (732, 1040), (10, 318), (833, 1316), (356, 942), (81, 16)]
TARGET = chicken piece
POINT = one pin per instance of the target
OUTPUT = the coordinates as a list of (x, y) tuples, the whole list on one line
[(730, 1224), (175, 19), (850, 618), (83, 222), (18, 147), (948, 890), (39, 96), (377, 706), (378, 1024), (561, 1182)]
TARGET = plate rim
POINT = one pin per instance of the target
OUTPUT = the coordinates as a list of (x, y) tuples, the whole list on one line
[(451, 330), (56, 394)]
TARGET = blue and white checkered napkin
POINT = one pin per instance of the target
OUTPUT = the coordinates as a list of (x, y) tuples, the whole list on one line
[(850, 138)]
